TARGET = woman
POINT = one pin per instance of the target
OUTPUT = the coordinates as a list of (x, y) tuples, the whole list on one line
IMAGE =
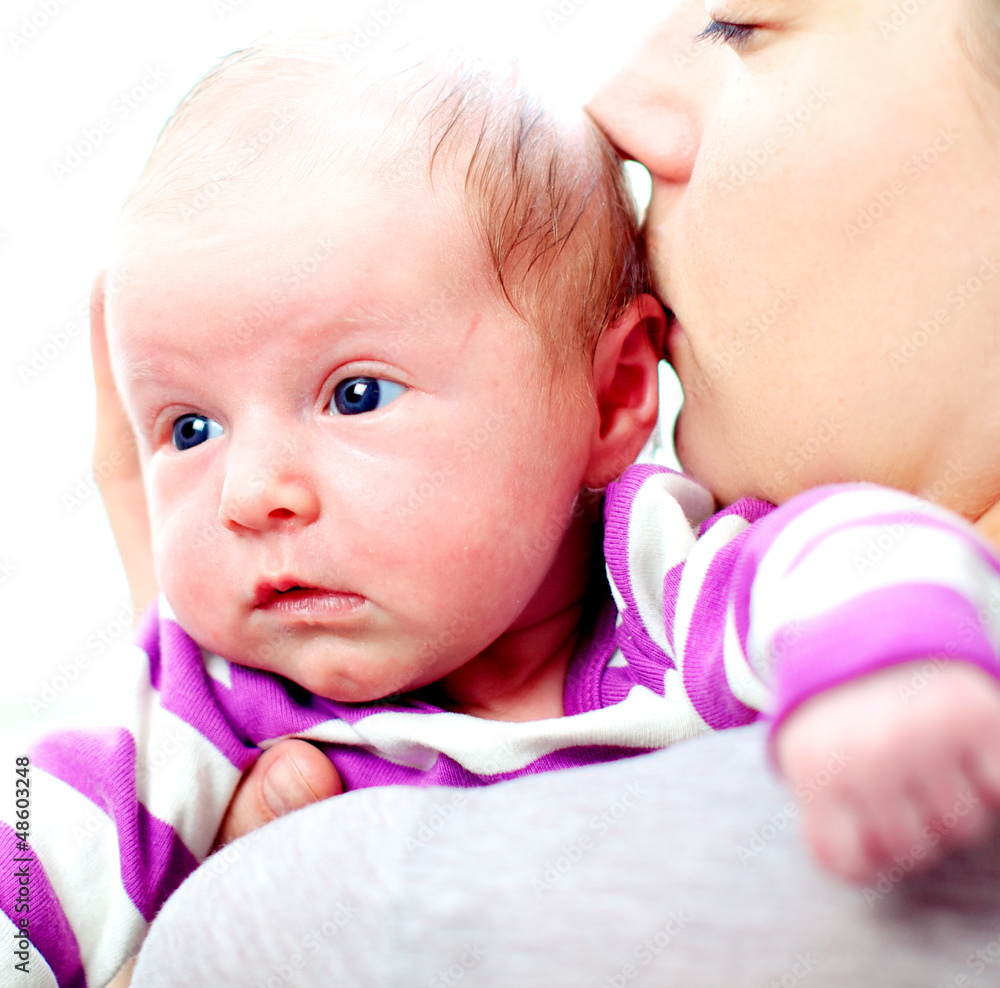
[(824, 224)]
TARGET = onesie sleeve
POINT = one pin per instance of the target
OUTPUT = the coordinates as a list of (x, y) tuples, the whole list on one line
[(845, 580), (671, 566), (755, 609), (118, 813)]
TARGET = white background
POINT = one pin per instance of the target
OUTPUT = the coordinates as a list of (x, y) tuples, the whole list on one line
[(60, 579)]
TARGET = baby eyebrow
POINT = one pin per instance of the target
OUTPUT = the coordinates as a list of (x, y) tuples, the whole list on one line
[(137, 369), (381, 311), (375, 314), (142, 383)]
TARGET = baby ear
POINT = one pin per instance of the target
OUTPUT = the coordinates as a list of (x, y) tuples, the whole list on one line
[(627, 388)]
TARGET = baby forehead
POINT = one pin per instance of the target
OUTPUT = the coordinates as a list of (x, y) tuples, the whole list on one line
[(281, 124), (272, 234), (282, 116), (321, 269)]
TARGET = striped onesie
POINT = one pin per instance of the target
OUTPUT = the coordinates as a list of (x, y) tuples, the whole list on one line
[(712, 621)]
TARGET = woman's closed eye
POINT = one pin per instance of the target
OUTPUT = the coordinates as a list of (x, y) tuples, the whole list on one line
[(192, 430), (356, 395), (736, 36)]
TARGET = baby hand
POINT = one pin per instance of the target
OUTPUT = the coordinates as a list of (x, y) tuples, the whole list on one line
[(919, 767)]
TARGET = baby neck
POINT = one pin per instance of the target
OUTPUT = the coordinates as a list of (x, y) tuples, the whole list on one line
[(521, 676)]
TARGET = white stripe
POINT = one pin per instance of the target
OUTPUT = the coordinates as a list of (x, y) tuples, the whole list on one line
[(696, 501), (489, 747), (163, 609), (333, 731), (173, 759), (218, 668), (989, 617), (693, 577), (744, 682), (183, 779), (689, 721), (838, 570), (616, 596), (665, 511), (77, 844), (617, 661), (39, 974), (838, 509)]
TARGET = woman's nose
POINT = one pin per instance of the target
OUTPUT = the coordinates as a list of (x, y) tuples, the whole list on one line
[(266, 488), (654, 109)]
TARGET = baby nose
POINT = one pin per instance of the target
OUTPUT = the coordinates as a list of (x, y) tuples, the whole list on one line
[(263, 493)]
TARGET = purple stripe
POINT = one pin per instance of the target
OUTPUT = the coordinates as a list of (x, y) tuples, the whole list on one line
[(147, 637), (584, 676), (50, 932), (260, 706), (761, 536), (646, 660), (188, 691), (618, 499), (803, 502), (100, 765), (881, 628), (177, 670), (617, 683), (671, 588), (705, 680), (267, 706), (750, 509)]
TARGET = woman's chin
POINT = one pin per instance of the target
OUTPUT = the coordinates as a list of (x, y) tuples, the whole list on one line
[(691, 449), (702, 457)]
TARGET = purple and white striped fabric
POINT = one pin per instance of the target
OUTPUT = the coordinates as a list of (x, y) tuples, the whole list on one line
[(712, 621)]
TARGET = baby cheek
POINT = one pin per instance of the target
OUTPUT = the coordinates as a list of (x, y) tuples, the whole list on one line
[(184, 515), (190, 567)]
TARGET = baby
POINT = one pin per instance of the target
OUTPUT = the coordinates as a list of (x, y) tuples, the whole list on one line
[(388, 352)]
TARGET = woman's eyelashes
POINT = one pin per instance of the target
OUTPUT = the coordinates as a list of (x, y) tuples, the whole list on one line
[(356, 395), (735, 35), (192, 430)]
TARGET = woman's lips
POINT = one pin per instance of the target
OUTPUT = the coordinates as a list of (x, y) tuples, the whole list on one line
[(309, 603)]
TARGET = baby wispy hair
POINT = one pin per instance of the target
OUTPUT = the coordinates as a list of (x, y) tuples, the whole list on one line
[(545, 193)]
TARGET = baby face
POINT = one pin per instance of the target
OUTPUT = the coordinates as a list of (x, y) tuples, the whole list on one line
[(359, 462)]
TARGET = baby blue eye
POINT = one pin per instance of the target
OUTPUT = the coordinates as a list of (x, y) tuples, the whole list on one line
[(363, 394), (193, 430)]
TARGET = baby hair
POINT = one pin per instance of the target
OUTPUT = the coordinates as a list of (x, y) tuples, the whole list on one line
[(545, 193)]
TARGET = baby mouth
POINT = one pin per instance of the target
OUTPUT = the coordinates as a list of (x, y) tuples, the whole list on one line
[(307, 603)]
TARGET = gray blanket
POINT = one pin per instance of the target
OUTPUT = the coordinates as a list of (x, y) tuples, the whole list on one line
[(683, 868)]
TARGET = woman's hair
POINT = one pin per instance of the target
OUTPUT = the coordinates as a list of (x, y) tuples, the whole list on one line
[(547, 195)]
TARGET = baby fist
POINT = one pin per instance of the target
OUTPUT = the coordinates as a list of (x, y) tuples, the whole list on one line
[(915, 756)]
